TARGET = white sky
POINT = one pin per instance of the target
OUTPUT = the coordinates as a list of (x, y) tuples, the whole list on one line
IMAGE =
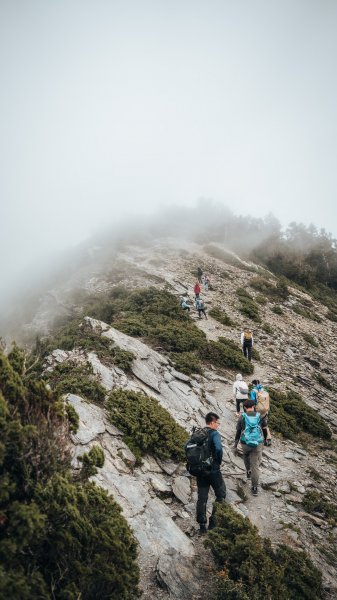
[(112, 107)]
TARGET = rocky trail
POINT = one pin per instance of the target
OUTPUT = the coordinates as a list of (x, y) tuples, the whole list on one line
[(159, 497)]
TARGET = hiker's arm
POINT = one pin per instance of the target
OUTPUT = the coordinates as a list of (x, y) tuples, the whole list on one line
[(216, 439), (239, 428), (234, 391)]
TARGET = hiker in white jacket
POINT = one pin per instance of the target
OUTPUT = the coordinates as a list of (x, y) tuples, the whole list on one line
[(240, 392)]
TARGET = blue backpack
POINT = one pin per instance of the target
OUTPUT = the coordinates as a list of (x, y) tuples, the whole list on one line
[(252, 435)]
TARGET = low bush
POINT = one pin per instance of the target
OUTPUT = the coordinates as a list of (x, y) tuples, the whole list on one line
[(186, 362), (70, 378), (323, 381), (255, 354), (332, 315), (277, 309), (221, 316), (90, 461), (289, 415), (148, 427), (58, 538), (310, 340), (316, 502), (306, 313), (261, 299), (221, 354), (267, 328), (248, 306), (282, 573)]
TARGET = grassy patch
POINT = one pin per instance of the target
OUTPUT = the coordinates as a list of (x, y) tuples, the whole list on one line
[(221, 316), (278, 291), (277, 309), (186, 362), (225, 354), (69, 378), (306, 313), (283, 573), (248, 306), (148, 427), (323, 381), (290, 415), (267, 328), (310, 340), (316, 502)]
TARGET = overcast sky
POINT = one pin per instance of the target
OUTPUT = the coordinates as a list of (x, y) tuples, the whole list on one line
[(112, 107)]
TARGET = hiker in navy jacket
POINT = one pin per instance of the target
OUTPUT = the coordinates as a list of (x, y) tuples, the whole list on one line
[(214, 478)]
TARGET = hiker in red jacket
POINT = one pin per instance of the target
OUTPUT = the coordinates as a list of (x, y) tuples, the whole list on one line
[(197, 289)]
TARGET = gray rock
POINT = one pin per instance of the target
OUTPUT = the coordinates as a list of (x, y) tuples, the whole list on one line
[(168, 466), (270, 481), (179, 375), (181, 488), (91, 420), (160, 484), (175, 573), (127, 456)]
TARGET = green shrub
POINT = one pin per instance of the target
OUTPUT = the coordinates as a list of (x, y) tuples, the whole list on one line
[(316, 502), (277, 310), (307, 314), (261, 299), (186, 362), (267, 328), (255, 354), (175, 338), (58, 539), (332, 316), (147, 426), (73, 418), (221, 354), (310, 339), (289, 415), (248, 306), (90, 461), (282, 573), (224, 275), (69, 378), (221, 316), (323, 381)]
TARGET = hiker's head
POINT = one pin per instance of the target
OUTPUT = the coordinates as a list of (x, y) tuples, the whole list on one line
[(248, 405), (212, 420), (239, 377), (256, 382)]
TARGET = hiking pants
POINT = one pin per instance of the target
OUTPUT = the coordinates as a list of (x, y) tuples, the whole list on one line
[(252, 458), (202, 310), (247, 351), (204, 482), (238, 403)]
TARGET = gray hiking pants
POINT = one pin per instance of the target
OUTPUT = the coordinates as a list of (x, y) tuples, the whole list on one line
[(252, 458)]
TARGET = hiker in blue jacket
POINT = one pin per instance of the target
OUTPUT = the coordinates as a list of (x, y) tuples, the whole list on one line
[(256, 388), (214, 478), (249, 432)]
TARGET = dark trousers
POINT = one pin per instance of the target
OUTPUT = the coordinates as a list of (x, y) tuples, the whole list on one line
[(252, 458), (204, 482), (247, 351), (238, 403), (202, 310)]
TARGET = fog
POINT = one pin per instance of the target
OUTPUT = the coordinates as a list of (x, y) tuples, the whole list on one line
[(113, 109)]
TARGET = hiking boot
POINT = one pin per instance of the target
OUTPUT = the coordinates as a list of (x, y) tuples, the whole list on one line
[(254, 491), (249, 474), (267, 443), (203, 529)]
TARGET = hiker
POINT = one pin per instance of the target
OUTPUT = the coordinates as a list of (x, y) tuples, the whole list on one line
[(249, 432), (200, 306), (199, 273), (206, 283), (184, 303), (197, 289), (240, 392), (207, 471), (261, 400), (247, 343)]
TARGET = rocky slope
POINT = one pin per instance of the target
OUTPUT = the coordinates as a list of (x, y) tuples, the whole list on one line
[(158, 497)]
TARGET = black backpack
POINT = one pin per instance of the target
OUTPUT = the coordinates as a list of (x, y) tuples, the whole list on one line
[(198, 452)]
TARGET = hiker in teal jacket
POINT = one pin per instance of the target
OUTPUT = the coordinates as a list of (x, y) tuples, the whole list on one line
[(251, 421)]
